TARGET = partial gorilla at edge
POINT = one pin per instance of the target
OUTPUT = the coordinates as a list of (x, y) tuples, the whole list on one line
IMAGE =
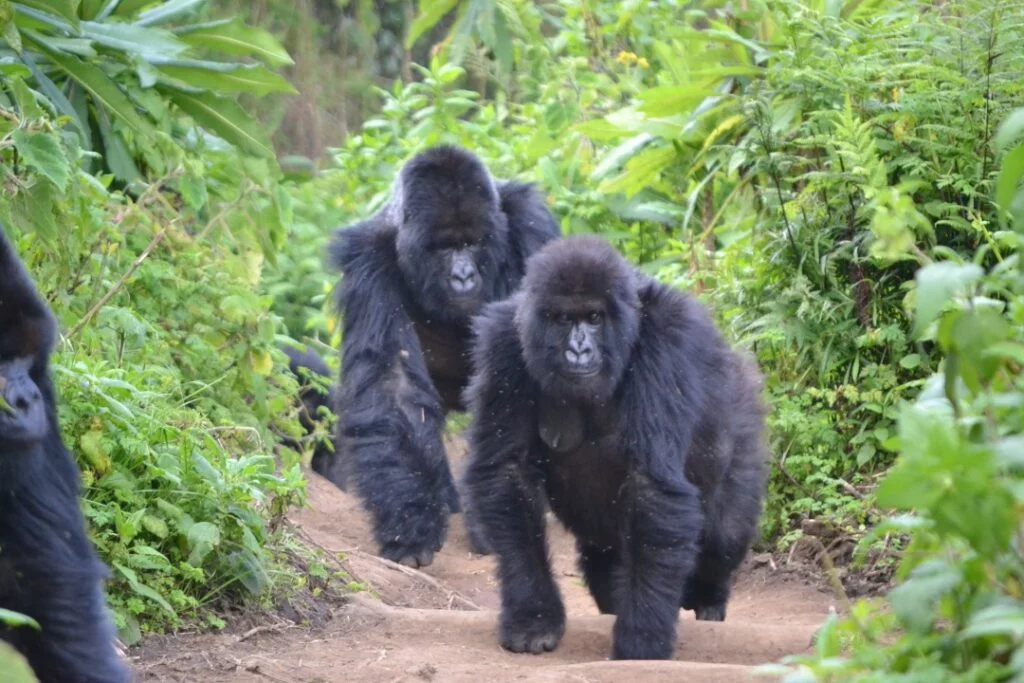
[(312, 372), (615, 400), (49, 570), (451, 239)]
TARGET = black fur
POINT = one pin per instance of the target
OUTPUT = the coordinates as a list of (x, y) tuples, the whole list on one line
[(312, 372), (407, 332), (48, 568), (656, 463)]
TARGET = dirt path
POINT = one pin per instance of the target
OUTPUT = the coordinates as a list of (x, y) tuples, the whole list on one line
[(439, 624)]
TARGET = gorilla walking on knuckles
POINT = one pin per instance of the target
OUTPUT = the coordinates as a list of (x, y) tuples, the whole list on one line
[(615, 399), (48, 568), (451, 239)]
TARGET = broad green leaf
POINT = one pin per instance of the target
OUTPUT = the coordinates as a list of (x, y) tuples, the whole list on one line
[(46, 18), (202, 538), (105, 92), (224, 118), (226, 78), (65, 9), (18, 619), (14, 666), (141, 589), (1011, 129), (12, 36), (1010, 176), (116, 155), (127, 8), (640, 171), (168, 11), (997, 620), (26, 100), (60, 101), (33, 209), (936, 284), (915, 601), (155, 526), (42, 151), (236, 38), (619, 155), (599, 129), (673, 99), (431, 12), (910, 361), (502, 44), (148, 42)]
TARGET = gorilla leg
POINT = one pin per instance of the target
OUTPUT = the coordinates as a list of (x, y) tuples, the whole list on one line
[(511, 511), (661, 539), (728, 531), (598, 565), (76, 640)]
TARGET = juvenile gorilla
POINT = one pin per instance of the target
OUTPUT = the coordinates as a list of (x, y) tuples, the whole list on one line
[(311, 371), (451, 239), (615, 399), (48, 568)]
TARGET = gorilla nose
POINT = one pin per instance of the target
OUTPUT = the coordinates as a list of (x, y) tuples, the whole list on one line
[(22, 395), (579, 352), (463, 280)]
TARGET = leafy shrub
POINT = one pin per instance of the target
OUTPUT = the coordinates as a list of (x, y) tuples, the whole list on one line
[(958, 611), (170, 380)]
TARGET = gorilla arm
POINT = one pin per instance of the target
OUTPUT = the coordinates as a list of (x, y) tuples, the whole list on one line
[(390, 416), (662, 403), (530, 223), (505, 491)]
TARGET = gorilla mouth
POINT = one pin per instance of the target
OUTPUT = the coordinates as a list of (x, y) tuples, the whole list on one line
[(581, 371)]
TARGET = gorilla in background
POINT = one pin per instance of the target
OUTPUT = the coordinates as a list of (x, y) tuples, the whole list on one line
[(614, 399), (48, 568), (451, 239), (312, 373)]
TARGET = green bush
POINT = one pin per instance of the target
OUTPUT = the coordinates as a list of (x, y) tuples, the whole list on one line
[(958, 611), (171, 385)]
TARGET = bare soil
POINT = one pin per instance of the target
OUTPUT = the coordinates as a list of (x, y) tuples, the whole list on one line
[(438, 624)]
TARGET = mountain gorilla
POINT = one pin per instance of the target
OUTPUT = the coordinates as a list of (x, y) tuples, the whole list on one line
[(615, 399), (312, 372), (451, 239), (48, 568)]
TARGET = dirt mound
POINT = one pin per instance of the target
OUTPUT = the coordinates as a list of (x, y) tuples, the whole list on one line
[(439, 623)]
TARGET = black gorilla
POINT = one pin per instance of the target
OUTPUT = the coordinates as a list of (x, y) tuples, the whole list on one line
[(615, 399), (451, 239), (48, 568), (312, 372)]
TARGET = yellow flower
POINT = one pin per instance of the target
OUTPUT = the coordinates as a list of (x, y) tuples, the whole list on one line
[(642, 63), (625, 57)]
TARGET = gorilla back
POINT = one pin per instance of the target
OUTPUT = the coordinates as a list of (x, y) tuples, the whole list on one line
[(48, 569), (615, 399), (451, 239)]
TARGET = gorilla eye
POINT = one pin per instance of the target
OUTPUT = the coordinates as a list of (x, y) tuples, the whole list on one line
[(595, 317)]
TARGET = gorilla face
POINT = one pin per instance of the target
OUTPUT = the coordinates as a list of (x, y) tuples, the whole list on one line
[(27, 334), (452, 235), (578, 318), (22, 410)]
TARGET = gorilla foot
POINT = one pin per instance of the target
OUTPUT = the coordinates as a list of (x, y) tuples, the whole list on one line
[(424, 558), (533, 632), (710, 613), (415, 555)]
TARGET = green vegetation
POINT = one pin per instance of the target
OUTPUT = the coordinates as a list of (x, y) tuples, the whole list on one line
[(841, 181)]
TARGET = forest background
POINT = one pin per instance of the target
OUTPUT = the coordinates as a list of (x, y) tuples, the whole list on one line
[(840, 181)]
